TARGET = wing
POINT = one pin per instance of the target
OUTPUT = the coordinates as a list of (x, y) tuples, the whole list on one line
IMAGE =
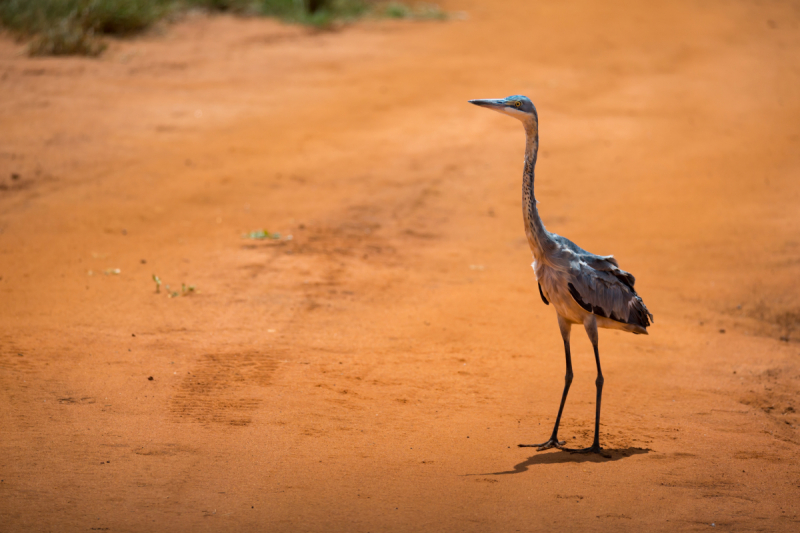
[(603, 263), (600, 287), (542, 294)]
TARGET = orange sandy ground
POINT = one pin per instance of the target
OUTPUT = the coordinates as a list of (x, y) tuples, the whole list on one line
[(376, 372)]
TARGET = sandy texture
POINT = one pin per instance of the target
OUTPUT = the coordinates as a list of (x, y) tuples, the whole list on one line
[(376, 372)]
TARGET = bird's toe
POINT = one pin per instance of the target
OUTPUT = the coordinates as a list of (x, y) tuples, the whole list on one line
[(552, 443)]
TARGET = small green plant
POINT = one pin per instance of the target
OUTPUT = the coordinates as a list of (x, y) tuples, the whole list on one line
[(186, 290), (261, 234)]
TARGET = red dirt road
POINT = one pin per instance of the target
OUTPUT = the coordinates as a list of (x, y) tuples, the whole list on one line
[(376, 371)]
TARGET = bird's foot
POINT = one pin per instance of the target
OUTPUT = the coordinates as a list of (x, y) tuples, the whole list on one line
[(595, 448), (552, 443)]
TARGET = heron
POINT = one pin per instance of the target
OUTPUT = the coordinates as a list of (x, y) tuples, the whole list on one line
[(583, 288)]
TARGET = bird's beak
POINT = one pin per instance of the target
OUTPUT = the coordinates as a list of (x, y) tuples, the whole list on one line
[(497, 105)]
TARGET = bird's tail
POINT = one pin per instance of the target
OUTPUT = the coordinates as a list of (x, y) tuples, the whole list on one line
[(638, 314)]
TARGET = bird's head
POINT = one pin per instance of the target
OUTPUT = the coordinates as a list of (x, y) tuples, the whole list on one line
[(517, 106)]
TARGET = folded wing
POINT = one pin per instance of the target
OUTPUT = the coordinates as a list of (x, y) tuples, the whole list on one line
[(599, 286)]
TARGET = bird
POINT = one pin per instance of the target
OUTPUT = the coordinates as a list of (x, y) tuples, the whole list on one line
[(582, 287)]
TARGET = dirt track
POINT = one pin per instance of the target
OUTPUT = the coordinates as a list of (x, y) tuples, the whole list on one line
[(376, 371)]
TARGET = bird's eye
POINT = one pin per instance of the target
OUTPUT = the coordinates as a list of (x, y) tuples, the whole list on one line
[(517, 104)]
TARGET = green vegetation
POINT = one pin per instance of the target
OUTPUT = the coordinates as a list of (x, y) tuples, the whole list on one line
[(399, 10), (261, 234), (186, 290), (62, 27), (313, 12), (77, 27)]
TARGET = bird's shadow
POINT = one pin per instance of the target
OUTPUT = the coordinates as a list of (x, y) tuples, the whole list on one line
[(561, 456)]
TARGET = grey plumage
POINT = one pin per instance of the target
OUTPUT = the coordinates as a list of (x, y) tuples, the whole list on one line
[(599, 286), (584, 288)]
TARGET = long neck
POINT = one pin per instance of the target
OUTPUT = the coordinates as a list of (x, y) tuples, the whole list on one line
[(538, 237)]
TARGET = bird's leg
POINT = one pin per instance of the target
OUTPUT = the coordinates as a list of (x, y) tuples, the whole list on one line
[(591, 330), (554, 442)]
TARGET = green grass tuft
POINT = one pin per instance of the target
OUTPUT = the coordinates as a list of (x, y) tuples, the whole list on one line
[(66, 38), (111, 17), (74, 27), (261, 234)]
